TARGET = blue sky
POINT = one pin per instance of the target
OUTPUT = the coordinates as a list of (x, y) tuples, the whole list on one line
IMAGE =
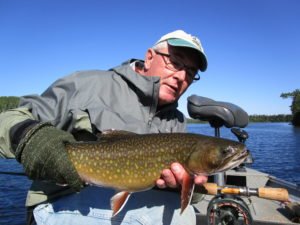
[(252, 46)]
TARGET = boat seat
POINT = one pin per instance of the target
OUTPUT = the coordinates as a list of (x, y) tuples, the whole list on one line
[(217, 113)]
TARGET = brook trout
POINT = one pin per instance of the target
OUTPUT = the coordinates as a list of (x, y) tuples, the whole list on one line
[(132, 162)]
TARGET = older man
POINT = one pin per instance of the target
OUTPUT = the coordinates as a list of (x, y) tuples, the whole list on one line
[(138, 96)]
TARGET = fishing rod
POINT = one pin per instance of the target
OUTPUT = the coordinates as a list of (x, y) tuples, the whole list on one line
[(277, 194)]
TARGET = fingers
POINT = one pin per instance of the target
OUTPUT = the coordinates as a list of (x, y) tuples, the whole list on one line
[(200, 180), (173, 177), (167, 179), (160, 183), (179, 172)]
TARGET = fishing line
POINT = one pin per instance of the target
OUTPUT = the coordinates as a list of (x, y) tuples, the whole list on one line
[(12, 173)]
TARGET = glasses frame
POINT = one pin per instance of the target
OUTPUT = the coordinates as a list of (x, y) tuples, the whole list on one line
[(182, 66)]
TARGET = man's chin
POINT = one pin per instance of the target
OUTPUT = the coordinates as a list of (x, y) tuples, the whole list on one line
[(165, 100)]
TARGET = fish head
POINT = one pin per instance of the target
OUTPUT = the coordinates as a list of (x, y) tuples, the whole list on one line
[(216, 155)]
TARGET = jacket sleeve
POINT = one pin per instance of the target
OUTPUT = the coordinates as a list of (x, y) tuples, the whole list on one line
[(59, 105), (8, 119), (55, 105), (52, 105)]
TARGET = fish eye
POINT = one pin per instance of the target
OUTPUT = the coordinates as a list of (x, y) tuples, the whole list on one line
[(228, 150), (224, 151)]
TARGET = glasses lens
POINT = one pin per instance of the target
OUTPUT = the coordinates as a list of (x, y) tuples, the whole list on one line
[(175, 65), (197, 77)]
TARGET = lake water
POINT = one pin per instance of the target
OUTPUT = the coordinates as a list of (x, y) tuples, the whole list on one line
[(275, 148)]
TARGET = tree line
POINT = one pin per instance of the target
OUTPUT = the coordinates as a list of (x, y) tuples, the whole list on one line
[(8, 102), (295, 106), (259, 118)]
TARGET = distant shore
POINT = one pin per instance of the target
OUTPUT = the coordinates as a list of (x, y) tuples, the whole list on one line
[(257, 118)]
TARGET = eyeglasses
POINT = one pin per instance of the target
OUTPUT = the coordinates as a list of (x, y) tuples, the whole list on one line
[(176, 65)]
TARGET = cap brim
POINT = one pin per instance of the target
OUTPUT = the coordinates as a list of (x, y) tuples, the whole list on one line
[(177, 42)]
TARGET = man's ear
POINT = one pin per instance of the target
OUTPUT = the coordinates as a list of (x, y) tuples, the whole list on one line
[(149, 58)]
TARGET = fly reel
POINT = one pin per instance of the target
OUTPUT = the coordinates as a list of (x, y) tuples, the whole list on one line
[(228, 210)]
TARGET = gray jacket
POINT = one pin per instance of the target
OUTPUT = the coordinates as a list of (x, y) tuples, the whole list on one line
[(95, 101)]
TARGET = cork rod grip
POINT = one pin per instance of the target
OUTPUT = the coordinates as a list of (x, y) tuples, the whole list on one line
[(210, 188), (278, 194)]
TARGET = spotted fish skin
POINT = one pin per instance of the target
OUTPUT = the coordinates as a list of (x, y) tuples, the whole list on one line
[(131, 162), (135, 162)]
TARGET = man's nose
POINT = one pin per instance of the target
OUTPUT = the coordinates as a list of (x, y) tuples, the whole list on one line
[(180, 75)]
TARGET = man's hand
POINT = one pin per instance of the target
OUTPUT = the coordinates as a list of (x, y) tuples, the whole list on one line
[(40, 147), (173, 177)]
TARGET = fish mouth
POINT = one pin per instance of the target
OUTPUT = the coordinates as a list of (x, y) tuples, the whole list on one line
[(234, 161), (230, 162)]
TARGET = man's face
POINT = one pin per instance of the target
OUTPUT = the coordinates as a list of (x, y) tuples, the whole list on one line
[(176, 67)]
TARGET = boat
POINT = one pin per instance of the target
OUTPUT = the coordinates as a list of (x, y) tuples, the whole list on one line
[(242, 195)]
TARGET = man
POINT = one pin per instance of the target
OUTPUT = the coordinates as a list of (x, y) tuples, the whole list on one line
[(138, 96)]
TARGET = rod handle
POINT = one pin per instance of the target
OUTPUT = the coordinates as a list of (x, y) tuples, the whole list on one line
[(278, 194), (210, 189), (213, 189)]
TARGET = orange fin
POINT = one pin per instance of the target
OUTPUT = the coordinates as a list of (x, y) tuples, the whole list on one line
[(118, 201), (187, 190)]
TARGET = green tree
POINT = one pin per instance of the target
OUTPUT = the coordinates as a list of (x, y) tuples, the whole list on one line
[(295, 107), (8, 102)]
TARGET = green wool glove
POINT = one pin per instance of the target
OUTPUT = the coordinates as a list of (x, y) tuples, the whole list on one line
[(42, 153)]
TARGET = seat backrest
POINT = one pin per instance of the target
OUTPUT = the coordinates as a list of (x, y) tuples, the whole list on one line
[(217, 113)]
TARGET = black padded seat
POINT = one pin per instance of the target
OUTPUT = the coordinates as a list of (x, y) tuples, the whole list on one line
[(217, 113)]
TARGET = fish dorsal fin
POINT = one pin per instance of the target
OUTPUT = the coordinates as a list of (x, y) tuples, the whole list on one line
[(118, 201), (187, 190), (112, 134)]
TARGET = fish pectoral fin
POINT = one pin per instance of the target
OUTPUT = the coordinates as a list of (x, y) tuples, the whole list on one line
[(187, 190), (118, 201)]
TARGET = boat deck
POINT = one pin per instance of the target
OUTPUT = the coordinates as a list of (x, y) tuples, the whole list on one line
[(263, 211)]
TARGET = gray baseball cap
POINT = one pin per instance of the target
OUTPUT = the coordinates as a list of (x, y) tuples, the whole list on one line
[(179, 38)]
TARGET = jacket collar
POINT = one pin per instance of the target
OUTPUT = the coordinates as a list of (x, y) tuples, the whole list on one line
[(146, 87)]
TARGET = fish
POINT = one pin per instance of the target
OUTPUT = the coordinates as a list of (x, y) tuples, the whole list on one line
[(129, 162)]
